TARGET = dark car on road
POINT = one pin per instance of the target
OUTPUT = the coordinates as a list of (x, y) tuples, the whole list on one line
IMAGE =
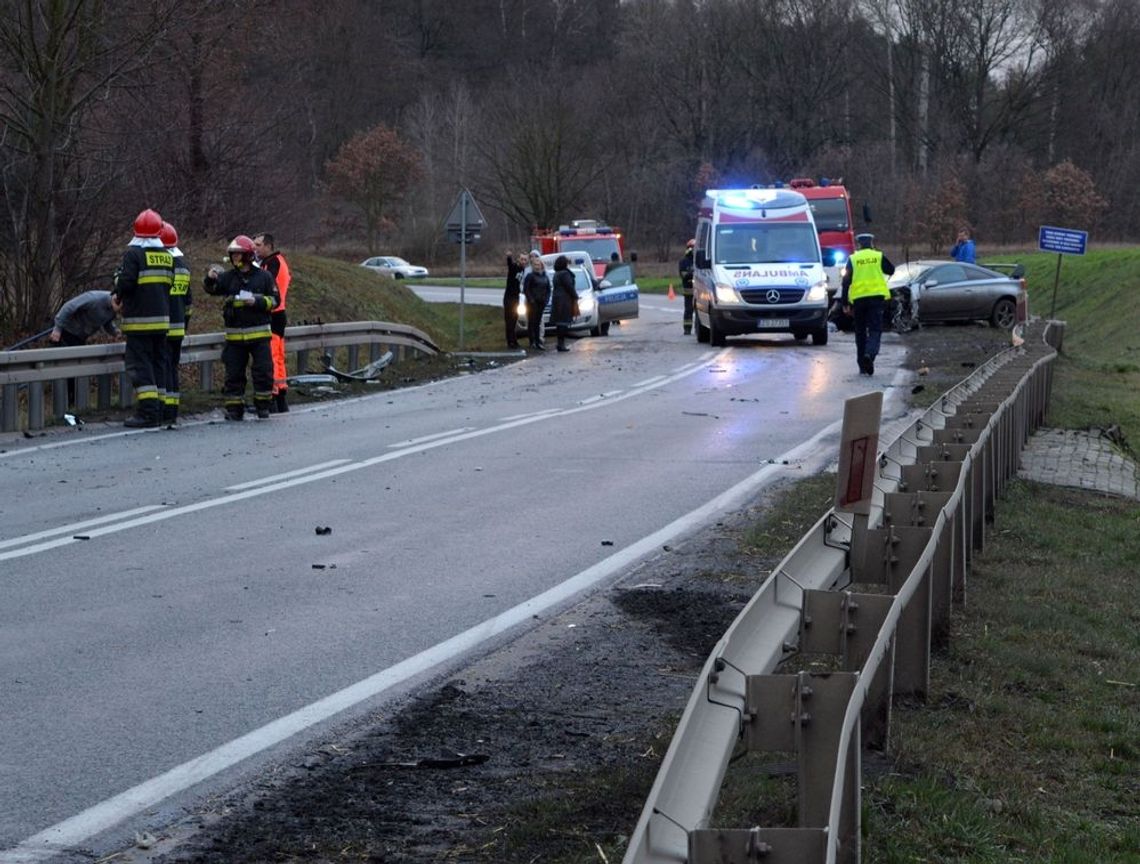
[(933, 291)]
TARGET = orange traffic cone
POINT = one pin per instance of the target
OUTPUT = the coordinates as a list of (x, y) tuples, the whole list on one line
[(672, 294)]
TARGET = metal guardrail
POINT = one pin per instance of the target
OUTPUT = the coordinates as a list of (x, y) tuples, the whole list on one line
[(40, 369), (909, 558)]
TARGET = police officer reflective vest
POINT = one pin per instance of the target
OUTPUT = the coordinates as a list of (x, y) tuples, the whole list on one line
[(867, 279)]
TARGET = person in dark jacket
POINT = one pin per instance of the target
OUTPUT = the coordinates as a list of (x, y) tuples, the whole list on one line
[(141, 294), (251, 295), (564, 303), (536, 289), (181, 303), (82, 317), (515, 265), (685, 270)]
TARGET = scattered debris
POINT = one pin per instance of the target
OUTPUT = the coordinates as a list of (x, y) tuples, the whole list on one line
[(364, 373), (145, 839), (319, 566), (322, 531), (607, 542), (80, 536), (448, 759), (917, 388)]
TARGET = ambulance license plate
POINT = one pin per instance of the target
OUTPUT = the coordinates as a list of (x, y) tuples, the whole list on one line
[(767, 323)]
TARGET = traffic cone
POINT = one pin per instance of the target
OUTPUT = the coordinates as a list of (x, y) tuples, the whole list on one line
[(672, 294)]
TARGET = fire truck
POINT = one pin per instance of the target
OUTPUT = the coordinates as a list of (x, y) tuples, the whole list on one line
[(595, 238), (831, 209)]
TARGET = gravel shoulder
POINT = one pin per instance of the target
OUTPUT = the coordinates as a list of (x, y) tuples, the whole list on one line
[(544, 749)]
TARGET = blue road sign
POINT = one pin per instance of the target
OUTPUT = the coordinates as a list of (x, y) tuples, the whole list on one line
[(1064, 240)]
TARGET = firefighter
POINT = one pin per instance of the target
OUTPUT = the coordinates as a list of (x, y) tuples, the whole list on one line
[(865, 292), (181, 302), (268, 258), (251, 295), (141, 296), (685, 268)]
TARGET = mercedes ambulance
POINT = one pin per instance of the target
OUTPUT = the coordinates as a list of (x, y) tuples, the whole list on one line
[(758, 267)]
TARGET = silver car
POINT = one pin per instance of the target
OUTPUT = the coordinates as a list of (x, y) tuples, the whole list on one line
[(929, 291), (600, 303), (397, 268)]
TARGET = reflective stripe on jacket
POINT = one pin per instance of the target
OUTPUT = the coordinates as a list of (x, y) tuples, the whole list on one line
[(143, 284), (867, 279), (179, 298)]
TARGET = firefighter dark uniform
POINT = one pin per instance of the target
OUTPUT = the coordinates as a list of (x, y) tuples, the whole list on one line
[(275, 264), (685, 268), (142, 286), (181, 303), (250, 296), (865, 289)]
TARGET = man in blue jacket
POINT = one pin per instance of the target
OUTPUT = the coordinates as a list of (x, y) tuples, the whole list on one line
[(963, 250)]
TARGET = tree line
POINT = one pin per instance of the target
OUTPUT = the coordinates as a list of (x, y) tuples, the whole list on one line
[(351, 125)]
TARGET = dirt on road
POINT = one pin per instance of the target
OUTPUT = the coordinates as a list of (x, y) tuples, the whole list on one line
[(545, 749)]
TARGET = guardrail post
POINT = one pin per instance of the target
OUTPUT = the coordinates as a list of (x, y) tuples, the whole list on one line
[(59, 397), (8, 407), (302, 361), (103, 392), (353, 357), (35, 404), (918, 509), (82, 393), (803, 713), (745, 845), (126, 391), (846, 625)]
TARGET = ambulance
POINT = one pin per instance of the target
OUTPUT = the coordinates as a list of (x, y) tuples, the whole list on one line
[(758, 266)]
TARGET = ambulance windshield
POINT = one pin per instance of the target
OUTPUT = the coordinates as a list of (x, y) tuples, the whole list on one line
[(770, 243)]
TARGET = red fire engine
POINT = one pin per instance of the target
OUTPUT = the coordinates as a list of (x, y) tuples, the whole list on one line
[(831, 208), (595, 238)]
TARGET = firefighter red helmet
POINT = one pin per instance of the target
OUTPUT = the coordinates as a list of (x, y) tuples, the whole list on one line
[(241, 243), (168, 236), (148, 224)]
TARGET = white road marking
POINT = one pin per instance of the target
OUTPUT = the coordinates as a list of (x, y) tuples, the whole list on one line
[(649, 381), (423, 438), (74, 831), (284, 476), (77, 526)]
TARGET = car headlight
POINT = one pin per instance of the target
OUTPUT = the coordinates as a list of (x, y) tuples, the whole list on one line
[(726, 293), (585, 305), (818, 292)]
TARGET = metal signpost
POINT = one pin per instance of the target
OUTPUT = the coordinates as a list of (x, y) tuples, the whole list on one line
[(464, 225), (1063, 241)]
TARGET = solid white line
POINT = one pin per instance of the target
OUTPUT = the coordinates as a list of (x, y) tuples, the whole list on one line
[(285, 476), (77, 526), (589, 400), (413, 441), (648, 381), (81, 827), (545, 412)]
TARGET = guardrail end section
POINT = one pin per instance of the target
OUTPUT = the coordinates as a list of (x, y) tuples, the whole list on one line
[(770, 845)]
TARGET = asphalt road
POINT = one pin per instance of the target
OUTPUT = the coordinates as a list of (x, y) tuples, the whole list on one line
[(172, 620)]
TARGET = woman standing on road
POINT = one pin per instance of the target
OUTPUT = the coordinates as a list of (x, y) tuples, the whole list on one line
[(515, 264), (536, 288), (564, 301)]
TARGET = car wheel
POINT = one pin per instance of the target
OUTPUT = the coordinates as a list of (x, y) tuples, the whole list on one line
[(398, 275), (716, 337), (819, 337), (596, 331), (1004, 314), (604, 328), (702, 330)]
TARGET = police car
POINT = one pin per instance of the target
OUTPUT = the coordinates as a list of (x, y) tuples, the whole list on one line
[(614, 298)]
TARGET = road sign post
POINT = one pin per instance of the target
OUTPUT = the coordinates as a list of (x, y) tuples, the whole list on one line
[(1063, 241), (464, 225)]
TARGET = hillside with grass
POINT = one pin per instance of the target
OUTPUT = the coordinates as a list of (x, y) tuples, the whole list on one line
[(330, 291)]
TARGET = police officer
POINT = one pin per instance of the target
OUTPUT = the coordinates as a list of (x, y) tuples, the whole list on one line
[(251, 295), (865, 292), (685, 268), (268, 258), (181, 302), (141, 296)]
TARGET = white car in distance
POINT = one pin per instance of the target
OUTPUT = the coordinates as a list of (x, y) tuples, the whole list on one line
[(397, 268)]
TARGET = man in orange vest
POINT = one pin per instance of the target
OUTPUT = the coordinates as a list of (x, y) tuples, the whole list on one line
[(269, 259)]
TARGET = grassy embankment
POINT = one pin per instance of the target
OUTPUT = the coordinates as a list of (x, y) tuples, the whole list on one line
[(333, 291)]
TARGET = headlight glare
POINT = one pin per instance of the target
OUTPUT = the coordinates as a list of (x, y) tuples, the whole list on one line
[(726, 293), (817, 292)]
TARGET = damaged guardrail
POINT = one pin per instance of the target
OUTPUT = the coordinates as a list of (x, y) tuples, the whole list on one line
[(909, 559), (44, 369)]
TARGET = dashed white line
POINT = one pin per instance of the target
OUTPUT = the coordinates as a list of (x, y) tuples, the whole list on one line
[(285, 476), (76, 526), (413, 441)]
